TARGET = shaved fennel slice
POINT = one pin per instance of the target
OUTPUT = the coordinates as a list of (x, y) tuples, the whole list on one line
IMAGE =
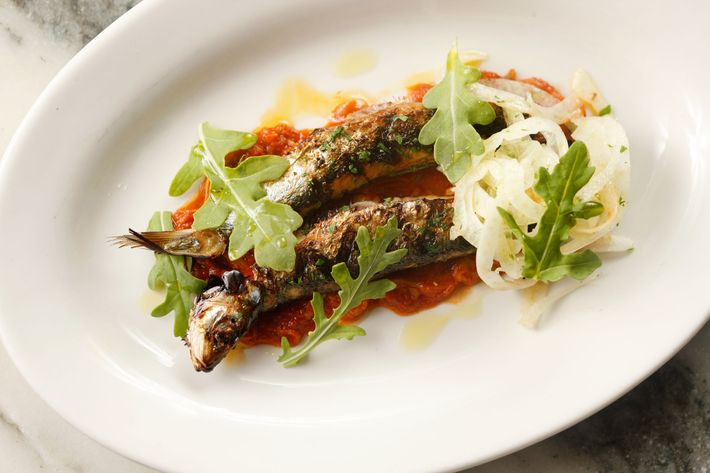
[(551, 131), (540, 298), (527, 99), (609, 153), (612, 244), (586, 90), (502, 98), (522, 89)]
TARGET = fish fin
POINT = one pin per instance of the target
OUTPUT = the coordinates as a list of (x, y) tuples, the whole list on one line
[(154, 241), (130, 241), (208, 243)]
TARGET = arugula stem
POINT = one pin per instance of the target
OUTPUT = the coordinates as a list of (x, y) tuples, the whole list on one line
[(338, 314)]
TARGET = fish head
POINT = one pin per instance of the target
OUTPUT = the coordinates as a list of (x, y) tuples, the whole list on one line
[(219, 317)]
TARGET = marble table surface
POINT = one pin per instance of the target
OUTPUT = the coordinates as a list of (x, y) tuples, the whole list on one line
[(662, 426)]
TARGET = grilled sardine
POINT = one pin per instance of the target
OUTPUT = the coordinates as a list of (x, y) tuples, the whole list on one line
[(222, 314)]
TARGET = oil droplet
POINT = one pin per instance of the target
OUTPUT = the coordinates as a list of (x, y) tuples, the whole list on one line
[(149, 300), (472, 58), (236, 357), (355, 62), (469, 309), (296, 98), (423, 329), (425, 77), (421, 332), (281, 242)]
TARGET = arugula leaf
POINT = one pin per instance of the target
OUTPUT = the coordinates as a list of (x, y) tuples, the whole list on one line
[(259, 223), (457, 110), (605, 111), (373, 258), (188, 173), (172, 273), (543, 259)]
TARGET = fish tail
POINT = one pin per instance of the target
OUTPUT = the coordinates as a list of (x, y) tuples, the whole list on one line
[(208, 243)]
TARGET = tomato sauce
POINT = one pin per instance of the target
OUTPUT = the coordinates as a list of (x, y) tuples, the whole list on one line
[(544, 85), (278, 140), (416, 92), (341, 112)]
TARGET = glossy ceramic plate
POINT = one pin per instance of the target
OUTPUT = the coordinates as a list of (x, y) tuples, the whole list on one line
[(100, 146)]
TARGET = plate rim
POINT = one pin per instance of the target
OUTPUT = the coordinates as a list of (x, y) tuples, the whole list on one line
[(11, 155)]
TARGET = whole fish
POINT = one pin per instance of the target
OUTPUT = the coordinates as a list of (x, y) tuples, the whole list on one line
[(223, 313)]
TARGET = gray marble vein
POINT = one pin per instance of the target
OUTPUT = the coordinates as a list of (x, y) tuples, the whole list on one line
[(15, 37), (662, 426), (74, 21), (21, 438)]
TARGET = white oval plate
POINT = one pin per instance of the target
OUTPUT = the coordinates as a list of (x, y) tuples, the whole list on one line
[(100, 146)]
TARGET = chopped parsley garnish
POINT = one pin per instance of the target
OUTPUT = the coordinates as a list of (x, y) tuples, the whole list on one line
[(338, 132), (363, 156)]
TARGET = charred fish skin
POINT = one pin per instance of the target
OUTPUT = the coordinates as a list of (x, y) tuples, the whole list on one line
[(221, 316), (331, 162)]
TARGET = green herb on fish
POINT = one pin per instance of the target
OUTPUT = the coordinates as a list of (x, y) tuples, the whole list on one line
[(338, 132), (363, 156), (172, 274), (543, 258), (451, 130), (259, 223), (373, 258)]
